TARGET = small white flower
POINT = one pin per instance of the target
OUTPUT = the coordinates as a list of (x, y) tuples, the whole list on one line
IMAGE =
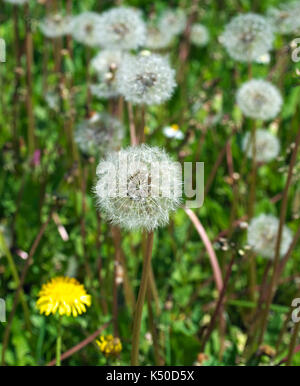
[(285, 19), (85, 28), (138, 187), (173, 21), (173, 132), (99, 134), (264, 59), (146, 79), (262, 236), (158, 39), (199, 35), (259, 99), (56, 25), (122, 28), (247, 37), (267, 146)]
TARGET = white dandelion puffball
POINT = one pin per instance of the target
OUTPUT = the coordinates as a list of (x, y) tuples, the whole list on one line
[(85, 28), (105, 64), (99, 134), (16, 2), (158, 39), (285, 19), (173, 132), (259, 99), (247, 37), (56, 25), (173, 21), (122, 28), (146, 79), (137, 187), (106, 60), (262, 236), (267, 145), (199, 35)]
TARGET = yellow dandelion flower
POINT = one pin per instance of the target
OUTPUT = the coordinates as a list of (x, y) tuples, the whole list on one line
[(65, 295), (109, 345)]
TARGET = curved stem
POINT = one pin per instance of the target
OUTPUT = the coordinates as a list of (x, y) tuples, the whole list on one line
[(211, 253)]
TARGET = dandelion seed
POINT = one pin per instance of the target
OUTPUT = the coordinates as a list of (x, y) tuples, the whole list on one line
[(285, 19), (267, 146), (99, 134), (56, 25), (122, 28), (138, 187), (259, 99), (146, 79), (109, 346), (85, 28), (199, 35), (173, 21), (262, 236), (247, 37), (63, 295)]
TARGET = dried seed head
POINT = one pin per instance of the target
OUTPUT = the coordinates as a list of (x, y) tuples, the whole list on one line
[(85, 28), (122, 28), (259, 99), (99, 134), (138, 187), (247, 37), (262, 236), (267, 146), (146, 79), (199, 35)]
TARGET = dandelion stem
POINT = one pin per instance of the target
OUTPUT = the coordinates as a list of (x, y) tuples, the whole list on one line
[(140, 301), (133, 136), (29, 59), (58, 343)]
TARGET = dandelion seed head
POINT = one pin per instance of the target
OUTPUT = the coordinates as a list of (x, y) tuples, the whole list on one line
[(148, 187), (259, 99), (199, 35), (146, 79), (247, 37), (173, 21), (262, 236), (106, 64), (157, 38), (63, 295), (85, 28), (56, 25), (267, 145), (122, 28), (285, 19), (99, 134)]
